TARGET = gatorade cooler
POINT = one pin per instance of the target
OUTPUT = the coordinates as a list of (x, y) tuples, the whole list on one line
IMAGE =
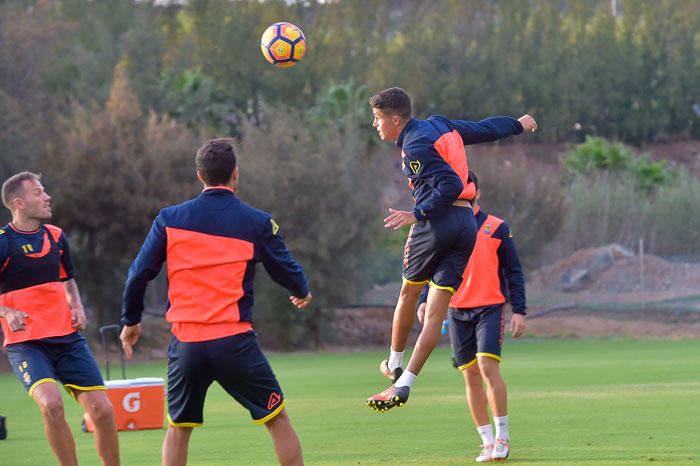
[(138, 403)]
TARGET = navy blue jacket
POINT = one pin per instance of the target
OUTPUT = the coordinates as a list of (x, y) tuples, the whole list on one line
[(435, 161), (211, 245)]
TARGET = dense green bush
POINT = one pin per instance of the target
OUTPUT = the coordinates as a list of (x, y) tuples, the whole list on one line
[(617, 161)]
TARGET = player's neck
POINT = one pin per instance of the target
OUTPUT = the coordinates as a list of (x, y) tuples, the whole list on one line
[(231, 186), (24, 223), (400, 128)]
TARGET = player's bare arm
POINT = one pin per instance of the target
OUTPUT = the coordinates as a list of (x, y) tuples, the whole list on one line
[(399, 218), (76, 305), (17, 320)]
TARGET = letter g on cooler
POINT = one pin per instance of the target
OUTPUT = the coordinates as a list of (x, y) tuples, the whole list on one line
[(132, 402)]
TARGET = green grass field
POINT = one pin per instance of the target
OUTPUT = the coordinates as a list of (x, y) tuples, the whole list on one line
[(571, 402)]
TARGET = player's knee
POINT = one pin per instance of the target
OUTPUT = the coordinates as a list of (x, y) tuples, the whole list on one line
[(51, 408), (281, 425), (409, 290), (102, 412), (472, 376), (281, 420), (179, 434), (489, 368)]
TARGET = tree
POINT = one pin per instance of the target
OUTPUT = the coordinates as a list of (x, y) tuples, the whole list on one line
[(322, 193), (110, 173), (27, 38)]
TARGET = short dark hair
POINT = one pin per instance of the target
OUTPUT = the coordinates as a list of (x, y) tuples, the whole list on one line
[(474, 179), (393, 101), (13, 185), (216, 161)]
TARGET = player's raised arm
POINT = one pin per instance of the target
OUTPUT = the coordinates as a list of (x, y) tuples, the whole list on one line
[(490, 129)]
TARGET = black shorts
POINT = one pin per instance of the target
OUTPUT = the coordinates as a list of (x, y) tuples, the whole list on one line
[(66, 359), (475, 332), (236, 362), (437, 251)]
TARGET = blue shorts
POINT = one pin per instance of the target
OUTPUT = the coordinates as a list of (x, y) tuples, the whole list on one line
[(236, 362), (437, 251), (475, 332), (66, 359)]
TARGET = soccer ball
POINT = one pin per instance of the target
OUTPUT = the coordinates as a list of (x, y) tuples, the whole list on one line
[(283, 44)]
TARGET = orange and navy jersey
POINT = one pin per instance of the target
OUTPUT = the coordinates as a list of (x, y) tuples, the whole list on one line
[(493, 274), (435, 161), (494, 270), (33, 265), (210, 245)]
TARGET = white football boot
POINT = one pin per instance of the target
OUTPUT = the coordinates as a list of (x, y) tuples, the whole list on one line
[(501, 449), (485, 455)]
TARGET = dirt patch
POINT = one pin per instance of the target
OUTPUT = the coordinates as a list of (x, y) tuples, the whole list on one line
[(615, 269), (596, 292), (609, 291)]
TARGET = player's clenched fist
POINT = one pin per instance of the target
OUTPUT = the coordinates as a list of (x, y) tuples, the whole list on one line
[(529, 123)]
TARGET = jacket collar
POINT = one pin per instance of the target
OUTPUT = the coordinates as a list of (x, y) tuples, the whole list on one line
[(214, 189), (411, 123)]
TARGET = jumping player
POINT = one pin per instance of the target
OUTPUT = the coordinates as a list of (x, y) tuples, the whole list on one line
[(443, 228), (41, 315), (476, 321), (211, 245)]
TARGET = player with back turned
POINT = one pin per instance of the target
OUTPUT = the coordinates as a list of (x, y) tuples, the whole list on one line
[(211, 245)]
